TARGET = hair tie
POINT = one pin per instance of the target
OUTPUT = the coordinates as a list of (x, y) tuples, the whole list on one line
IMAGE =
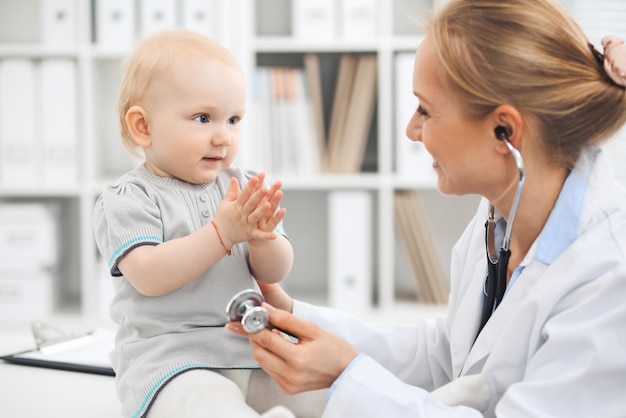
[(615, 59), (596, 54)]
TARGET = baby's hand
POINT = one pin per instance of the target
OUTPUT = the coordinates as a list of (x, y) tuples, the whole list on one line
[(273, 196), (251, 213)]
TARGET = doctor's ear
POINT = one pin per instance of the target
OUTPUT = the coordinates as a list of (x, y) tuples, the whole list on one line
[(137, 123), (507, 125)]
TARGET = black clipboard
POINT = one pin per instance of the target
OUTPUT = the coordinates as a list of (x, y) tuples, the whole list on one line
[(86, 353), (18, 359)]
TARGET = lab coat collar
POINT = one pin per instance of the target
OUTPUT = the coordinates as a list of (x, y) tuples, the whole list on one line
[(481, 349), (464, 329), (569, 208)]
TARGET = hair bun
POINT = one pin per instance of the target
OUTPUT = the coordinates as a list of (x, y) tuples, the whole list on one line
[(615, 59)]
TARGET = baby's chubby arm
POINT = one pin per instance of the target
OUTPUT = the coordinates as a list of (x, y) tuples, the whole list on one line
[(271, 259), (256, 210), (249, 214)]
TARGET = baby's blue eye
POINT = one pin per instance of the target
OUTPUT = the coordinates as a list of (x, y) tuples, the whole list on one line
[(202, 118), (234, 120)]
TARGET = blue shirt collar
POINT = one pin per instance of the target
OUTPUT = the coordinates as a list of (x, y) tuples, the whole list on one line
[(562, 226)]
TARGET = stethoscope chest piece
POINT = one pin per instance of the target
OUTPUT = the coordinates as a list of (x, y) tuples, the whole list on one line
[(245, 307)]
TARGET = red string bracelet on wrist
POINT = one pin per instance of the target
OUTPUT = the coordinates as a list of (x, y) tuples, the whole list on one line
[(229, 252)]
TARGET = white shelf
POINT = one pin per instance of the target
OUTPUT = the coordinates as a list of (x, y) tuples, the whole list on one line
[(287, 44), (39, 192), (284, 44), (36, 51)]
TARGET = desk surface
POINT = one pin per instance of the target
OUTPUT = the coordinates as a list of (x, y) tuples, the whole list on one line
[(27, 392), (37, 392)]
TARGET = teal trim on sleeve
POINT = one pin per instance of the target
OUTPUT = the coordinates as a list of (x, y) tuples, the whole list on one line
[(149, 239)]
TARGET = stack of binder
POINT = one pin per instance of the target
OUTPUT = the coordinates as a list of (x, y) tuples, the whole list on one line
[(119, 22), (430, 281), (28, 244), (38, 121), (285, 140), (59, 23), (290, 117), (332, 19), (352, 113), (38, 151), (350, 249)]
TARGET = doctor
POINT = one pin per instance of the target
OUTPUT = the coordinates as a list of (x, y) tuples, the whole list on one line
[(513, 103)]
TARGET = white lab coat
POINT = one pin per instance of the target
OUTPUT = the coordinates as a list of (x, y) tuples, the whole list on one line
[(556, 346)]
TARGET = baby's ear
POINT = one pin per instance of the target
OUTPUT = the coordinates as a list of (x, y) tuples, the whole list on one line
[(137, 122)]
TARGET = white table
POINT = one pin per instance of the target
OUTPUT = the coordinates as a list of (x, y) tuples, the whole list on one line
[(27, 392)]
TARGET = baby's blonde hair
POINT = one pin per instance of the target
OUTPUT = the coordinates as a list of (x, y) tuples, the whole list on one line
[(154, 57), (532, 55)]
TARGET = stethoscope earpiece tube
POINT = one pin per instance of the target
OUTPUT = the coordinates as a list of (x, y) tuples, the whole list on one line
[(502, 266), (490, 295), (495, 286)]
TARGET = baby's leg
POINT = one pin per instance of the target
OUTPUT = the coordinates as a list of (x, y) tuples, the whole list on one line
[(201, 394), (264, 393)]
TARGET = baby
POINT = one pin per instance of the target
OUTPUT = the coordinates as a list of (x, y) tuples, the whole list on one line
[(186, 231)]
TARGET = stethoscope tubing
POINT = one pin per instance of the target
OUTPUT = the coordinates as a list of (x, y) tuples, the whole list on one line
[(518, 194), (497, 264)]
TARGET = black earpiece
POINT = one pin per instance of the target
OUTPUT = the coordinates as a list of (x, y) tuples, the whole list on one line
[(501, 133)]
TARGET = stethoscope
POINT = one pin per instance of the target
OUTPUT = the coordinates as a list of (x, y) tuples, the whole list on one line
[(497, 265), (246, 307)]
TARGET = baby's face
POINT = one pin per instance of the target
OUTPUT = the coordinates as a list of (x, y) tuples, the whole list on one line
[(193, 118)]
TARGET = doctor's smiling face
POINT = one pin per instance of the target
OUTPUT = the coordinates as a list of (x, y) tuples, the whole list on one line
[(458, 144)]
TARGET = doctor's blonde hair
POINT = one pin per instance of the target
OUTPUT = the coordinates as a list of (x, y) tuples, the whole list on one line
[(532, 55), (153, 58)]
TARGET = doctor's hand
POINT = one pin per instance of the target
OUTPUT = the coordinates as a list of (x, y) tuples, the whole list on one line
[(314, 363)]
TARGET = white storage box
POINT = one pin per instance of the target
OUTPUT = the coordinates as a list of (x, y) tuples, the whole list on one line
[(28, 236), (26, 297)]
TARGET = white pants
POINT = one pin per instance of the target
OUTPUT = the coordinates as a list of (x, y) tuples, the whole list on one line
[(232, 393)]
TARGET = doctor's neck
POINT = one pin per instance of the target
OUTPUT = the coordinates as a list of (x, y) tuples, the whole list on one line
[(541, 191)]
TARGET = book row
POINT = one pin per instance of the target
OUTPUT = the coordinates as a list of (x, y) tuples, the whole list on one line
[(291, 135), (350, 220), (296, 131), (320, 118)]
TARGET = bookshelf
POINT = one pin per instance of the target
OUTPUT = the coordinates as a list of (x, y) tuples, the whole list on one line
[(260, 33), (393, 282)]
